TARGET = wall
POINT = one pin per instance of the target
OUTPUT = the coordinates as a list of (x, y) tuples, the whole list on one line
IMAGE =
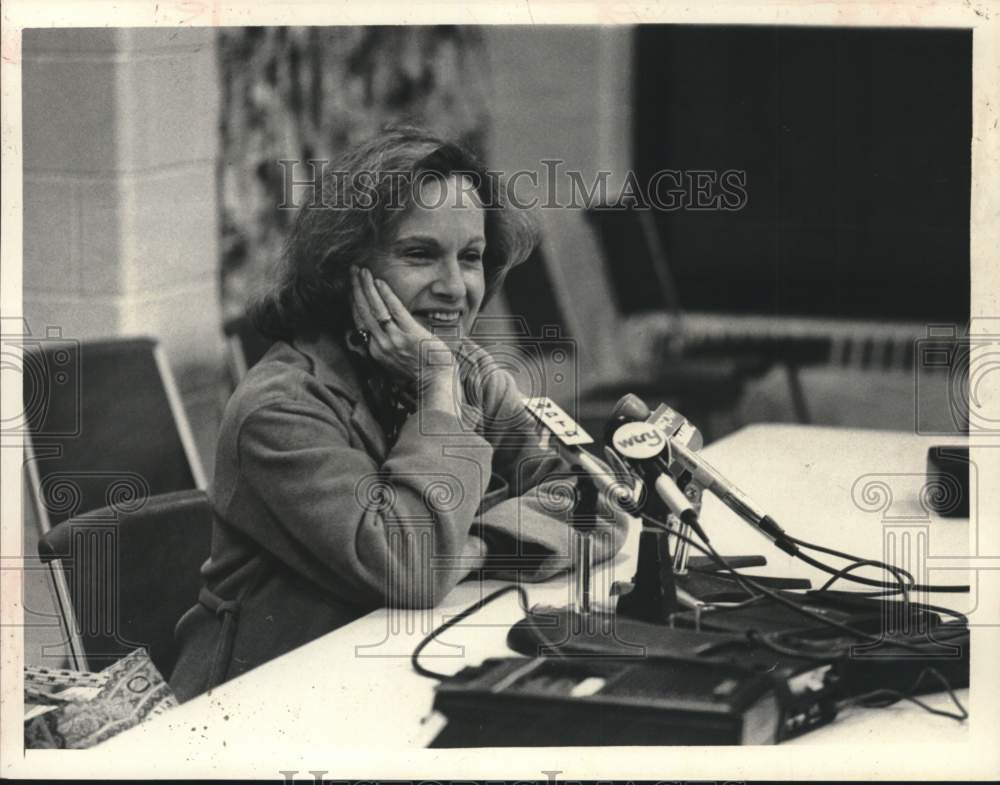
[(120, 221), (565, 93), (568, 93), (307, 93), (120, 218)]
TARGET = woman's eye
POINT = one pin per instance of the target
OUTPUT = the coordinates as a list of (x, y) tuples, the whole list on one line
[(473, 257), (416, 253)]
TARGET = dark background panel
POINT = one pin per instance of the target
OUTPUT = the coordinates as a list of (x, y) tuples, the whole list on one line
[(856, 145)]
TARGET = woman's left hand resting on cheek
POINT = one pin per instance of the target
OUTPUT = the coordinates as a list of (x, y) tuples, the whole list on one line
[(407, 350)]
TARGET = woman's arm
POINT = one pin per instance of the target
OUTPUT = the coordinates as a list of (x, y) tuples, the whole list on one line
[(542, 489), (516, 435), (394, 533)]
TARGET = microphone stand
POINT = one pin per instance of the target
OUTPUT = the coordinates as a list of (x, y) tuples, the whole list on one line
[(584, 520), (702, 576), (662, 580), (652, 595)]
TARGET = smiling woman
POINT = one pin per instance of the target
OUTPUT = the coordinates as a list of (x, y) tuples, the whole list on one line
[(374, 434), (428, 280), (435, 262)]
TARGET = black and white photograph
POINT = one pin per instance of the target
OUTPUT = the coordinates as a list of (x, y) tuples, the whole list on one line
[(514, 390)]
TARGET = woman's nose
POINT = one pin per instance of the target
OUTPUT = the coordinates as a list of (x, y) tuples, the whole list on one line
[(449, 281)]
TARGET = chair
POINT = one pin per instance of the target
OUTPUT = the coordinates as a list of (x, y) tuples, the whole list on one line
[(105, 426), (104, 419), (647, 284), (132, 570), (702, 384), (244, 347), (549, 290)]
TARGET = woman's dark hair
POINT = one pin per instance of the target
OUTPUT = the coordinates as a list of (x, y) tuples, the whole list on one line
[(362, 194)]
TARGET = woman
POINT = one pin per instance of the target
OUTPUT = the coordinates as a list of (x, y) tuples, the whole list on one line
[(374, 435)]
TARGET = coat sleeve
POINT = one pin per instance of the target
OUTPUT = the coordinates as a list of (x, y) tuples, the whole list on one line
[(533, 528), (396, 533)]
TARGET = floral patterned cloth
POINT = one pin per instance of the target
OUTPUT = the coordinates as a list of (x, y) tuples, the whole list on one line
[(76, 710)]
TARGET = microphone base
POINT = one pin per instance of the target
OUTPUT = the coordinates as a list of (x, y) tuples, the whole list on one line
[(715, 587), (708, 564), (652, 597)]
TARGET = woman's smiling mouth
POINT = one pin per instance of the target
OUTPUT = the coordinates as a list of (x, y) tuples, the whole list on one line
[(439, 317)]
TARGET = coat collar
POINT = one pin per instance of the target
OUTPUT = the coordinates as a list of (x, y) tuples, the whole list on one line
[(340, 368), (333, 365)]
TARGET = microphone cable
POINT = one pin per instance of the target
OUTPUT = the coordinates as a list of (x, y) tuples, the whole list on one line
[(886, 696), (961, 617), (745, 582), (953, 589), (522, 596), (634, 408), (882, 698)]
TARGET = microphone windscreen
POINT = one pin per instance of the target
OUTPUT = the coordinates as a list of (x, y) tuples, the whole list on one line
[(632, 407)]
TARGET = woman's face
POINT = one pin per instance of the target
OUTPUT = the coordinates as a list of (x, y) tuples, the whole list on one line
[(434, 259)]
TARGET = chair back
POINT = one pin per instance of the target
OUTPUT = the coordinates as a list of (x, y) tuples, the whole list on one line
[(637, 263), (244, 347), (578, 282), (106, 425), (132, 570)]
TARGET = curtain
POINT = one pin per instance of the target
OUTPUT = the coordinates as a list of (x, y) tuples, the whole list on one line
[(301, 93)]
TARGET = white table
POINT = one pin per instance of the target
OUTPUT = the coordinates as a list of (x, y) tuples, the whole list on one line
[(354, 688)]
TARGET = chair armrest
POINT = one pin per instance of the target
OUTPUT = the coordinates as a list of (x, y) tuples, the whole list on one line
[(56, 543)]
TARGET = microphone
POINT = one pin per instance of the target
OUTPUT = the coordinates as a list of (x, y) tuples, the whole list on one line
[(677, 426), (569, 441), (631, 407), (646, 448)]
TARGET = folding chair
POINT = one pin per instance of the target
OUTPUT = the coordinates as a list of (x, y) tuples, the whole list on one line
[(105, 426), (244, 347), (569, 282), (132, 570), (632, 235)]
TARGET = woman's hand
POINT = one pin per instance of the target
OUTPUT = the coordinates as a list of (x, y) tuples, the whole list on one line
[(397, 341)]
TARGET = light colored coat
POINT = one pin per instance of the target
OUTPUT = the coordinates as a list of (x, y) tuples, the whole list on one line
[(319, 520)]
